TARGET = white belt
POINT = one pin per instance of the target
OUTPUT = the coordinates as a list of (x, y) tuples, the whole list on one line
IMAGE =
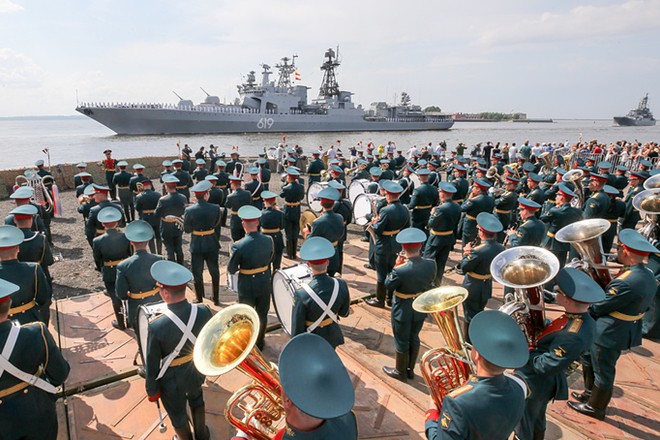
[(327, 308), (186, 331)]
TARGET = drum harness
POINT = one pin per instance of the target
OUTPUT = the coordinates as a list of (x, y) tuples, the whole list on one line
[(326, 308), (10, 368), (186, 330)]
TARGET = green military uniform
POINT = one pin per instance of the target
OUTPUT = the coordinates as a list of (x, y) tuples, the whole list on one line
[(121, 181), (251, 257), (137, 179), (597, 205), (407, 281), (616, 210), (408, 188), (476, 267), (292, 193), (393, 218), (330, 226), (200, 172), (94, 228), (31, 303), (556, 219), (344, 208), (145, 204), (485, 407), (505, 206), (235, 165), (27, 410), (442, 232), (171, 204), (314, 168), (134, 283), (424, 198), (532, 231), (235, 201), (631, 216), (35, 249), (201, 220), (272, 223), (462, 188), (472, 208), (255, 188), (556, 348), (185, 181)]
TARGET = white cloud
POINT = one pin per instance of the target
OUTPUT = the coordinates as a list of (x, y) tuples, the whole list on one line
[(580, 23), (7, 6), (17, 70)]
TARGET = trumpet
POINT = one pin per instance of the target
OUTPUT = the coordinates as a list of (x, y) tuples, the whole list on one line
[(227, 342)]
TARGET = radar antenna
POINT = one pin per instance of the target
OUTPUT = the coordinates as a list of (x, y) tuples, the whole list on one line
[(643, 104), (329, 86), (286, 69)]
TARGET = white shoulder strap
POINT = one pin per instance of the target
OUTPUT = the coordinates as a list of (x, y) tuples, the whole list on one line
[(326, 308), (520, 382), (7, 366), (186, 335)]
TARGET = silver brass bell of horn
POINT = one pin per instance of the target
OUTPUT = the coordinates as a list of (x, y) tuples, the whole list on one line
[(525, 269), (584, 236), (647, 203), (652, 182), (575, 177)]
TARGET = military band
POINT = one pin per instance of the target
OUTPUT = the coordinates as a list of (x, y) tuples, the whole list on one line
[(424, 221)]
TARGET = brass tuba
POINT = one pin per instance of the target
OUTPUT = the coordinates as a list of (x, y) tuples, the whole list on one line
[(648, 204), (525, 269), (228, 341), (445, 369), (547, 164), (584, 236), (575, 177)]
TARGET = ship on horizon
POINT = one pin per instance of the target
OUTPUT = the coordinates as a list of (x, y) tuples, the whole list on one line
[(269, 107), (637, 117)]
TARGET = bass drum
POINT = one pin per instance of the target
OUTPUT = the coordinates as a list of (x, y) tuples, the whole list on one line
[(145, 313), (357, 187), (364, 204), (312, 195), (285, 283)]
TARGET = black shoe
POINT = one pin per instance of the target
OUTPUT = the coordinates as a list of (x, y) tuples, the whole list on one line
[(141, 372), (374, 302), (197, 301), (412, 361), (597, 404), (399, 372), (119, 325), (388, 302), (368, 266), (582, 397)]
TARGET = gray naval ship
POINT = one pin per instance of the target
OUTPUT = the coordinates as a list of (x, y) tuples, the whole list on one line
[(637, 117), (272, 106)]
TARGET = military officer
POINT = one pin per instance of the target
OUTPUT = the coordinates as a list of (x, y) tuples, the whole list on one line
[(223, 177), (476, 265), (167, 169), (562, 215), (292, 193), (531, 232), (255, 188), (616, 209), (264, 172), (138, 178), (21, 197), (478, 202), (535, 194), (391, 220), (146, 203), (411, 276), (319, 304), (505, 205), (631, 216), (86, 204), (235, 201), (185, 180), (598, 203), (169, 210), (620, 179), (407, 184), (618, 322), (85, 180), (109, 166), (93, 227), (442, 230), (461, 184), (344, 208), (33, 369), (78, 178), (32, 301), (202, 220), (556, 348), (604, 170), (491, 403), (134, 283), (110, 249), (251, 257), (200, 172), (272, 223), (121, 181), (329, 225), (170, 374), (235, 165), (317, 393), (35, 247), (387, 172), (424, 198)]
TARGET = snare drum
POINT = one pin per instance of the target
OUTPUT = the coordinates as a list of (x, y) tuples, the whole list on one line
[(357, 187), (312, 195), (285, 283), (364, 204), (145, 313)]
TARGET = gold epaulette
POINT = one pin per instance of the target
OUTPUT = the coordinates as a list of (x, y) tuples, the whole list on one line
[(575, 326), (462, 390)]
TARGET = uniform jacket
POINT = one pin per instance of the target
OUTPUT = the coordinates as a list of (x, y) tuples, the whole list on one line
[(134, 276), (393, 217), (109, 247), (413, 277), (202, 217), (170, 204), (530, 233), (33, 286)]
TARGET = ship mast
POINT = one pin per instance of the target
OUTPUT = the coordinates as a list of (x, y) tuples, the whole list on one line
[(286, 69), (643, 104), (329, 86)]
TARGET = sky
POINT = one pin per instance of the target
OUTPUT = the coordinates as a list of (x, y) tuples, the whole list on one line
[(561, 59)]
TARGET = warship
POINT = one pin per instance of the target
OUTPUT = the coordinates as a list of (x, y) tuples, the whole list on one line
[(279, 106), (637, 117)]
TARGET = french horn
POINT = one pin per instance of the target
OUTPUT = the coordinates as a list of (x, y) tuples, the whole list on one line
[(226, 342)]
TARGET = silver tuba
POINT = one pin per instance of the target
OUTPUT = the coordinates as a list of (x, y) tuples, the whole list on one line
[(652, 182), (525, 269), (648, 204), (39, 185), (584, 236), (575, 177)]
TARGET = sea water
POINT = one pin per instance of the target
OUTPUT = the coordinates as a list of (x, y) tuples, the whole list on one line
[(75, 139)]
